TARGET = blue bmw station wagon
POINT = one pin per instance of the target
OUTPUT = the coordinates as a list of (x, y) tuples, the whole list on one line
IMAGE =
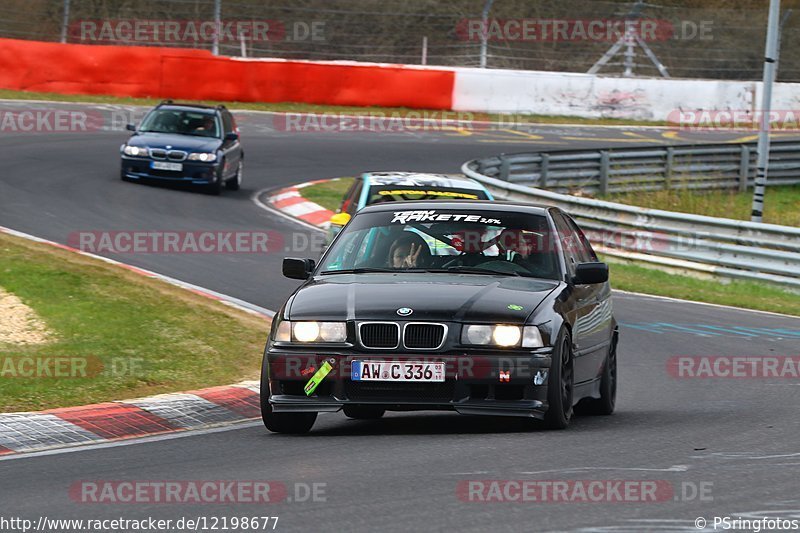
[(193, 144)]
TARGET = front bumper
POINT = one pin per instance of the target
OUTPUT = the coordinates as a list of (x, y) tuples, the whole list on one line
[(193, 172), (508, 383)]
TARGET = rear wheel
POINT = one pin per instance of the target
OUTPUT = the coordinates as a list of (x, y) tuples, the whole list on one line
[(560, 384), (294, 423), (363, 412)]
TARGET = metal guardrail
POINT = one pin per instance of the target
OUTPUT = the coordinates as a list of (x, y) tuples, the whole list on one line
[(701, 166), (717, 246)]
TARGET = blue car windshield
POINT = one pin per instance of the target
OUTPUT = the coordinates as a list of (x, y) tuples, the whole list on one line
[(446, 241), (181, 122)]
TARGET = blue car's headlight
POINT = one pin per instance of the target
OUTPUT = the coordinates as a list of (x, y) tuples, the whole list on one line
[(204, 157), (135, 151)]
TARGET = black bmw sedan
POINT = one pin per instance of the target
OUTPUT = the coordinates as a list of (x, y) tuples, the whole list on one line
[(185, 143), (483, 308)]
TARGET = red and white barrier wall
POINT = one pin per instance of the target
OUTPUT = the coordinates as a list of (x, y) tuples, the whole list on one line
[(198, 75)]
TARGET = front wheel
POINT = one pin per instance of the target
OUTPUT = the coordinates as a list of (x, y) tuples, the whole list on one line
[(293, 423), (605, 404), (235, 182), (560, 385)]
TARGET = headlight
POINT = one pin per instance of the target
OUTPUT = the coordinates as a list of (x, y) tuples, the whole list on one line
[(308, 332), (136, 151), (206, 158), (501, 335)]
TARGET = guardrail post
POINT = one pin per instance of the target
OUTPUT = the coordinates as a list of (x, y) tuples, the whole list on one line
[(668, 167), (505, 167), (744, 168), (605, 164), (544, 167)]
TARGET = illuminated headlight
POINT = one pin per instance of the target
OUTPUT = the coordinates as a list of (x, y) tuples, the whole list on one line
[(135, 151), (206, 158), (501, 335), (308, 332)]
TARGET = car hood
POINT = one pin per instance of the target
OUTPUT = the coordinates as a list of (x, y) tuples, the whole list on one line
[(434, 297), (188, 143)]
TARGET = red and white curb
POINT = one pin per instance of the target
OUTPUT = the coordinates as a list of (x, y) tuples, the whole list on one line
[(291, 202), (142, 417), (110, 421)]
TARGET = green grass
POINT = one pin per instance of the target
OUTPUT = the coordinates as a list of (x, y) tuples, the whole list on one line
[(295, 107), (177, 340), (328, 194), (745, 294), (781, 204)]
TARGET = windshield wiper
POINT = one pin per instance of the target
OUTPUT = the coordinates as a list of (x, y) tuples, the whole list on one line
[(360, 270), (477, 270)]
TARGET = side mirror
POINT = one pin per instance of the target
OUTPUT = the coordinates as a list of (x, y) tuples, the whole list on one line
[(130, 127), (590, 273), (340, 219), (297, 268), (232, 136)]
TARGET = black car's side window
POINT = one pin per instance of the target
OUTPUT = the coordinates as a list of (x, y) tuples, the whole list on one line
[(568, 240), (585, 249)]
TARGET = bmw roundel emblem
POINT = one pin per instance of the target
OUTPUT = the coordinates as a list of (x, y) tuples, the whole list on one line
[(405, 311)]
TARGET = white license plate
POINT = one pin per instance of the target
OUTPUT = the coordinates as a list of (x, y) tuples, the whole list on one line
[(396, 371), (165, 165)]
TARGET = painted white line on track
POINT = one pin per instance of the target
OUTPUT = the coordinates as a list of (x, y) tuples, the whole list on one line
[(130, 442), (679, 300)]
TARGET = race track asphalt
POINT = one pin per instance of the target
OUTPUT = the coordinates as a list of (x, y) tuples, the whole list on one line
[(728, 447)]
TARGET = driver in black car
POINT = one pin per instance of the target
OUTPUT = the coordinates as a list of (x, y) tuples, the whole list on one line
[(408, 251)]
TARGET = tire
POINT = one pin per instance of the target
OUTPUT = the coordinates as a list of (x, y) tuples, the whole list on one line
[(605, 405), (235, 183), (561, 384), (292, 423), (363, 412), (215, 188)]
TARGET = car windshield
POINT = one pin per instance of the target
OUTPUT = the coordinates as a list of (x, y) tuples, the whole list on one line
[(445, 241), (399, 193), (181, 122)]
